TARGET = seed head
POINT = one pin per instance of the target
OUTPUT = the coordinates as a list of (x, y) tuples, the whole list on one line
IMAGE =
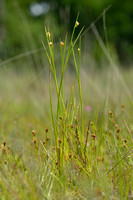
[(59, 140), (70, 155), (118, 130), (93, 136), (76, 24), (57, 163), (125, 140), (46, 130), (34, 140), (50, 44), (33, 133), (72, 126), (123, 105), (48, 34), (61, 44), (4, 143), (111, 113)]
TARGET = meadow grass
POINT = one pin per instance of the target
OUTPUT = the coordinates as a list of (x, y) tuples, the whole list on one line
[(83, 149)]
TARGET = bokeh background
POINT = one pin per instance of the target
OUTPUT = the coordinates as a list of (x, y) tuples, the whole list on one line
[(22, 25)]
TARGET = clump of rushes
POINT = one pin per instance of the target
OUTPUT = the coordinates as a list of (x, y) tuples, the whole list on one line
[(62, 110)]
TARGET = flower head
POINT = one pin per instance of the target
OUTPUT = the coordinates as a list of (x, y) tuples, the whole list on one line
[(50, 43), (48, 34), (76, 24), (61, 44)]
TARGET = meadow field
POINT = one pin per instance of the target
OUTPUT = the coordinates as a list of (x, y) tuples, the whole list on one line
[(66, 127)]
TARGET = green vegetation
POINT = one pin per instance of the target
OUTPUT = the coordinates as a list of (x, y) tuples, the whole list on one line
[(83, 150)]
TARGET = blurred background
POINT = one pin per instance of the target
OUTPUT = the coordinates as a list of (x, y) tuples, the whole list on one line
[(22, 25)]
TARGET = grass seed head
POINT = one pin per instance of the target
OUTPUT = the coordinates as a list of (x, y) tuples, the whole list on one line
[(57, 163), (50, 44), (118, 130), (93, 136), (76, 24), (125, 140), (33, 132), (61, 44), (111, 113), (46, 130), (72, 126), (34, 140), (70, 155), (48, 35), (123, 105), (59, 140), (4, 143)]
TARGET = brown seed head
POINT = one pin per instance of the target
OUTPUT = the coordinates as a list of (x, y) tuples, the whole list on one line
[(102, 159), (46, 130), (125, 140), (118, 130), (59, 140), (70, 155), (33, 132), (34, 140), (60, 118), (72, 126), (5, 162), (123, 105), (111, 113), (4, 143), (93, 136), (56, 163)]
